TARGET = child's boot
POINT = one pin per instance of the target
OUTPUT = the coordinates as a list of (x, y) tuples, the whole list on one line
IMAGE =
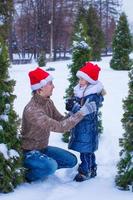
[(82, 177), (93, 172)]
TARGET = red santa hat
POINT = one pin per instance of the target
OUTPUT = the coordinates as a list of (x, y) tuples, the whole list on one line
[(89, 72), (39, 78)]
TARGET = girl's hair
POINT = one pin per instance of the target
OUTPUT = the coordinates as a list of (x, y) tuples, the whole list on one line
[(103, 92), (82, 99)]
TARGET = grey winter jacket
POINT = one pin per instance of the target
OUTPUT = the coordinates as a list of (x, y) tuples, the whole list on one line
[(39, 118)]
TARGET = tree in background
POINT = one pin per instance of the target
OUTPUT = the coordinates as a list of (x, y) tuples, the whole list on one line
[(81, 53), (43, 25), (124, 178), (41, 59), (122, 45), (11, 170), (95, 33), (81, 49), (33, 31), (6, 11), (107, 10)]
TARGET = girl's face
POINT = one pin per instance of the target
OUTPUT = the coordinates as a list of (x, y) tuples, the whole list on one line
[(82, 82)]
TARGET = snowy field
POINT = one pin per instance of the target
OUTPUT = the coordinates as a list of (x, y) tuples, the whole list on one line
[(61, 186)]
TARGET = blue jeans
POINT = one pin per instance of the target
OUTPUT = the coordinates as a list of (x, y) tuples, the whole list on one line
[(88, 163), (40, 164)]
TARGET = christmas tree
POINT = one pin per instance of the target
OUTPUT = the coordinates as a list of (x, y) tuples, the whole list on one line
[(122, 45), (81, 53), (11, 170), (41, 59), (81, 50), (95, 33), (124, 178)]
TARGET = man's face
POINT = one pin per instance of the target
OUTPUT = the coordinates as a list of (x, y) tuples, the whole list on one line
[(46, 91)]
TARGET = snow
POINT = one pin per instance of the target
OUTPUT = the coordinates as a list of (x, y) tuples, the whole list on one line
[(8, 154), (61, 185), (82, 44), (13, 153), (6, 94), (4, 117), (4, 150), (0, 50)]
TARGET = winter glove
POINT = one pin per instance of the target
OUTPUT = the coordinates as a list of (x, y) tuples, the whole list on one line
[(70, 103), (88, 107)]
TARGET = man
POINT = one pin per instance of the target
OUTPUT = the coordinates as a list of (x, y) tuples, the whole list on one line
[(40, 116)]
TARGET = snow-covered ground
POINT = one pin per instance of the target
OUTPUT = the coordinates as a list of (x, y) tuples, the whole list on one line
[(61, 185)]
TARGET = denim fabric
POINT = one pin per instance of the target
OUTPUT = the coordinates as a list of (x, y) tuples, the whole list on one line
[(41, 164), (88, 163)]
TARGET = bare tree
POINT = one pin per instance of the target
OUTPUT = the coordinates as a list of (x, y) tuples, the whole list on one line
[(43, 25), (33, 30), (108, 11)]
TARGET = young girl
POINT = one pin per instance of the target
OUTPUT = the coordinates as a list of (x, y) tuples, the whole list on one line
[(84, 136)]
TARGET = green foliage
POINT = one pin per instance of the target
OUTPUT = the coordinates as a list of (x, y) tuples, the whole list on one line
[(81, 53), (124, 179), (81, 50), (80, 27), (65, 137), (125, 175), (100, 127), (95, 33), (11, 170), (6, 11), (79, 57), (122, 45), (42, 59), (132, 41)]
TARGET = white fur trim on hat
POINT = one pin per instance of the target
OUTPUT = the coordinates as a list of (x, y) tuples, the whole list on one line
[(42, 83), (83, 75)]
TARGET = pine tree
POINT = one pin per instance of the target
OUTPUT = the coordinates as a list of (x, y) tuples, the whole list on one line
[(95, 33), (124, 179), (81, 53), (6, 11), (42, 59), (11, 170), (122, 45), (81, 50)]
